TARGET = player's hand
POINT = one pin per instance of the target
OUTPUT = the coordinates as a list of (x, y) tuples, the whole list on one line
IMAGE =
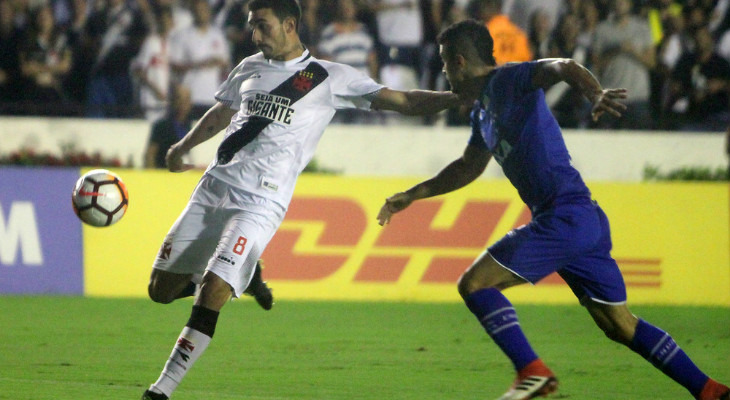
[(607, 101), (393, 204), (174, 159)]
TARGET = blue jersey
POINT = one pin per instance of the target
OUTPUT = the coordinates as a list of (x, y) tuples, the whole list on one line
[(513, 122)]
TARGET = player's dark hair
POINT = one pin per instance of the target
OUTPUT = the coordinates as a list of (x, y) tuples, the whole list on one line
[(468, 38), (282, 9)]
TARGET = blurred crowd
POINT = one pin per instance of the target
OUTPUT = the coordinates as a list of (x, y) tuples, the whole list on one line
[(164, 59)]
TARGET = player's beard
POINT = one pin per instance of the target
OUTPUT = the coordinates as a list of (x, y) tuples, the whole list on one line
[(279, 43)]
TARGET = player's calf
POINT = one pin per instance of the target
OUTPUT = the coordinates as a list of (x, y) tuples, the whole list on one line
[(658, 347), (259, 290)]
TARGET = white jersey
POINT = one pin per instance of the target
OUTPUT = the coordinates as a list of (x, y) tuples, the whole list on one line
[(283, 107), (193, 45), (399, 25), (153, 60)]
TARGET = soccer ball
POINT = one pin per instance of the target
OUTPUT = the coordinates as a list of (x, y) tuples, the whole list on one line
[(100, 198)]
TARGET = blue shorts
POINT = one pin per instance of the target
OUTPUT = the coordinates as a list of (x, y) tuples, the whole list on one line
[(572, 240)]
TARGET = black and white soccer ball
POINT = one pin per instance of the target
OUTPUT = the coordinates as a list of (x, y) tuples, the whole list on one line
[(100, 198)]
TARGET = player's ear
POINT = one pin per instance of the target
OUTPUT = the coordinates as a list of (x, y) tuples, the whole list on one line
[(290, 25)]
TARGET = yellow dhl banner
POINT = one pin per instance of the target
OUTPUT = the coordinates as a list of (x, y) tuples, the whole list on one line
[(671, 240)]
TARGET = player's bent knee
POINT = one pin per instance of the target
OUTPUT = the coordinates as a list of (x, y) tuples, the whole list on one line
[(159, 296), (468, 284), (463, 286)]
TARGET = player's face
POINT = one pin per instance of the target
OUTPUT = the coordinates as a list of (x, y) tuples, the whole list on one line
[(452, 71), (269, 33)]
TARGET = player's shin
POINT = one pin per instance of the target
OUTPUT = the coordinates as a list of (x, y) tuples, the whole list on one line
[(499, 319), (192, 342), (662, 351)]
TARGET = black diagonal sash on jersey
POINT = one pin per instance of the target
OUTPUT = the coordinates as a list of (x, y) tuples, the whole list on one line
[(294, 88)]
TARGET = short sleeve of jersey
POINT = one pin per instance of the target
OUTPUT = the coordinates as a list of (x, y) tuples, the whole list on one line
[(229, 91), (350, 87)]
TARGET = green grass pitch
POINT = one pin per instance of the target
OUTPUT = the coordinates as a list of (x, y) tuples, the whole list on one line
[(74, 348)]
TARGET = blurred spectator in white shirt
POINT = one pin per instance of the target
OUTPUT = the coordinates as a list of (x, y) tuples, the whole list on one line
[(400, 31), (200, 58), (347, 41), (151, 67), (623, 55)]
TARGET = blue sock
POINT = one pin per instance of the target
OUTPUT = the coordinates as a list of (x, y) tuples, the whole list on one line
[(662, 351), (499, 319)]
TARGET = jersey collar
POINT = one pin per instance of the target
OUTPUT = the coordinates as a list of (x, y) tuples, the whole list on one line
[(305, 56), (484, 96)]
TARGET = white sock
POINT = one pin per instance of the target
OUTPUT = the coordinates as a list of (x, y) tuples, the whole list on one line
[(190, 345)]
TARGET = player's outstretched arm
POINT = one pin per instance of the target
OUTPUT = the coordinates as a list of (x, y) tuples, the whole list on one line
[(454, 176), (214, 120), (414, 102), (550, 71)]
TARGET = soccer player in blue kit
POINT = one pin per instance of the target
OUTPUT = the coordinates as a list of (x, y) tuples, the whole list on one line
[(569, 233)]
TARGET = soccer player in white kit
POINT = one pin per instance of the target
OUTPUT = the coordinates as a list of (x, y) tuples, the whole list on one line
[(275, 106)]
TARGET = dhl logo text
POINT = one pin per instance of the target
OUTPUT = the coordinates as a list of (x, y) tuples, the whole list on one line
[(322, 235)]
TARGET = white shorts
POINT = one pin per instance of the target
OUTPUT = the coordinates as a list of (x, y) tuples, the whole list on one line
[(221, 230)]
